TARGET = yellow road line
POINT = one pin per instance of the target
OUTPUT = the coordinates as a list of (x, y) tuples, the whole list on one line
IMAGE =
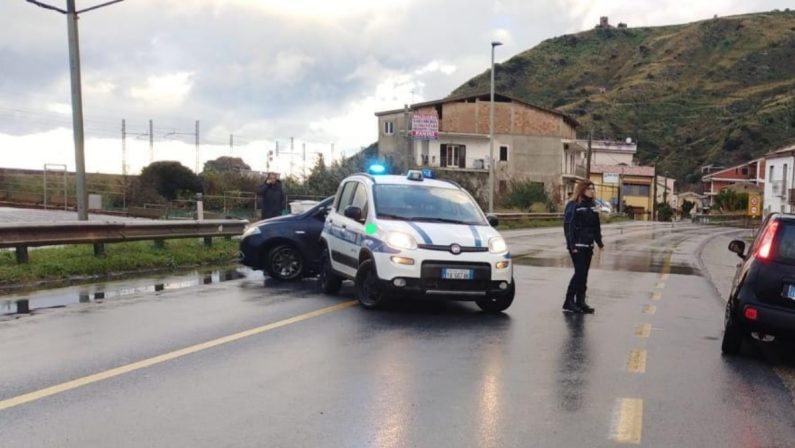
[(649, 309), (666, 268), (627, 420), (637, 361), (656, 295), (643, 331), (107, 374)]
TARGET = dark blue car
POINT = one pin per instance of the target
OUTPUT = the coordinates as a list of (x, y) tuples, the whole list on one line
[(286, 247)]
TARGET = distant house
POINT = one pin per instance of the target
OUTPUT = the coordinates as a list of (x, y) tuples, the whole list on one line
[(627, 188), (778, 191), (698, 199), (531, 143), (716, 181)]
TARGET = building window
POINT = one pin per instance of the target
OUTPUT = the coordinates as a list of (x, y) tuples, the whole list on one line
[(745, 171), (503, 153), (636, 190), (453, 156), (770, 178), (389, 127)]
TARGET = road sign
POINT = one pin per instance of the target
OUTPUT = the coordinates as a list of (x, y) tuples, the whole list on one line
[(754, 205), (610, 178)]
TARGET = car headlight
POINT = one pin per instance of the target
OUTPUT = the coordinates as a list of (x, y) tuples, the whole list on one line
[(401, 241), (251, 230), (497, 245)]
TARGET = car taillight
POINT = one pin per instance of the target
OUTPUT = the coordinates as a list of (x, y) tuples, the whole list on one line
[(766, 245)]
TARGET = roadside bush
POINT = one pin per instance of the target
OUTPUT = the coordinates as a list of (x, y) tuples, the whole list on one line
[(524, 194), (664, 212)]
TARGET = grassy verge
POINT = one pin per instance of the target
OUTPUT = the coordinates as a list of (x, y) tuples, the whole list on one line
[(78, 261), (536, 223)]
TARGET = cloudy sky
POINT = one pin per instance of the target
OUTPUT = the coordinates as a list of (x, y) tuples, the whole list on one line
[(266, 70)]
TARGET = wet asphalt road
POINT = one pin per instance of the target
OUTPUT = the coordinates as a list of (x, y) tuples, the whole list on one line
[(645, 369)]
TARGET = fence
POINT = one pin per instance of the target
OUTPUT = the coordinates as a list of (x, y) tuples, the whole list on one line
[(727, 220), (20, 237)]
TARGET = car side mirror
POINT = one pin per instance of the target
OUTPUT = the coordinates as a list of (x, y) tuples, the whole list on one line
[(353, 212), (493, 220), (738, 247)]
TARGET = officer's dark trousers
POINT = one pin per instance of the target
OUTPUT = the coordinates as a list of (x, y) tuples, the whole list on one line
[(579, 281)]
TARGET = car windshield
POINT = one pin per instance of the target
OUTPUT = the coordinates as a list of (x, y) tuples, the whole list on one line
[(430, 204)]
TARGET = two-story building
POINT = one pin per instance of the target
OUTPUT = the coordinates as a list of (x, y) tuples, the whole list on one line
[(530, 142), (750, 172), (629, 189), (778, 190)]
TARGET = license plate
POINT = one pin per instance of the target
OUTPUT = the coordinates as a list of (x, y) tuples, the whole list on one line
[(457, 274), (790, 290)]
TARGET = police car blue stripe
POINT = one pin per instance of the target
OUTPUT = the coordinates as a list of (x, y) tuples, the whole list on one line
[(422, 233), (478, 242)]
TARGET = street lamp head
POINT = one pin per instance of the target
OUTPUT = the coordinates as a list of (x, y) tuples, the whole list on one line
[(496, 44)]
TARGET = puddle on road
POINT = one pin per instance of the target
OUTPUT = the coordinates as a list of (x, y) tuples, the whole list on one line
[(98, 292), (614, 262)]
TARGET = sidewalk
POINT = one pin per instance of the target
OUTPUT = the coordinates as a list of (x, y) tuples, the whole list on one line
[(718, 264)]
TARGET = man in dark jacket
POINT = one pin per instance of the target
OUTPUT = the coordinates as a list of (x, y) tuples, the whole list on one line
[(272, 197)]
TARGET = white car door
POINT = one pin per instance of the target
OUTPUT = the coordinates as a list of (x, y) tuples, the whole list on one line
[(339, 239)]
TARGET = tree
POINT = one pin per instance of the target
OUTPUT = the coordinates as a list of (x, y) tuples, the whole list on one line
[(526, 193), (170, 179), (226, 164), (730, 201), (664, 212), (687, 207)]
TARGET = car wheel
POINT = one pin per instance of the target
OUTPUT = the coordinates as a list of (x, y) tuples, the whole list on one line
[(732, 339), (368, 291), (285, 263), (498, 304), (329, 282)]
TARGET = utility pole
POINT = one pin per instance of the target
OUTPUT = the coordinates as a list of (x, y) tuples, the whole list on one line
[(588, 156), (332, 154), (654, 195), (71, 13), (491, 131), (151, 143), (291, 156), (303, 146), (124, 163), (198, 156), (123, 147), (231, 144)]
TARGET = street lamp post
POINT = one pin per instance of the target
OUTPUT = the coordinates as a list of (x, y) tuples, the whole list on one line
[(491, 131)]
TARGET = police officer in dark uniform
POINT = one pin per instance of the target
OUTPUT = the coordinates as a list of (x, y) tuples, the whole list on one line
[(583, 230)]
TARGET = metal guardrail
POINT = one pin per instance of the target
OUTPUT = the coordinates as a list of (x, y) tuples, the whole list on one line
[(527, 216), (22, 236), (732, 220)]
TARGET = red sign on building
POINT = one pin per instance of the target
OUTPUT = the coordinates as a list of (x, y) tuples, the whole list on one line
[(425, 127)]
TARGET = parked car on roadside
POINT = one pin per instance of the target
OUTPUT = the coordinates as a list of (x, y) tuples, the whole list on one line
[(603, 206), (762, 298), (286, 247)]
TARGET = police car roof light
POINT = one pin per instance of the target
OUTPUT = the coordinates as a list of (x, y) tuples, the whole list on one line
[(428, 173), (414, 175), (376, 168)]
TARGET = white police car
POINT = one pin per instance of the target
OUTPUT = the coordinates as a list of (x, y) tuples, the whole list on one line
[(397, 236)]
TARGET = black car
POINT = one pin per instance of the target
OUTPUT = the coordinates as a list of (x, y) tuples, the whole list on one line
[(286, 247), (762, 299)]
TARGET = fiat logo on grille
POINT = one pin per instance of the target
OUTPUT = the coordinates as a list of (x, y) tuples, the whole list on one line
[(455, 249)]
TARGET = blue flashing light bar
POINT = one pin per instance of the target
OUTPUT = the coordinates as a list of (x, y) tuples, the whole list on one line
[(376, 168), (428, 173)]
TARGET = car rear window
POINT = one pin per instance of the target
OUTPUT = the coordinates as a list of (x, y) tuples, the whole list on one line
[(785, 243)]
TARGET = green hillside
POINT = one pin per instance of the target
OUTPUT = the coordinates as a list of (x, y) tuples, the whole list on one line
[(716, 91)]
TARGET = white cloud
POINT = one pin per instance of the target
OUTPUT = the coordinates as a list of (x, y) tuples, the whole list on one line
[(60, 108), (166, 91), (290, 67)]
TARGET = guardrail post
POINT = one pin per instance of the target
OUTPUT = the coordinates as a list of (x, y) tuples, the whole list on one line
[(208, 241), (23, 306), (99, 249), (22, 254)]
